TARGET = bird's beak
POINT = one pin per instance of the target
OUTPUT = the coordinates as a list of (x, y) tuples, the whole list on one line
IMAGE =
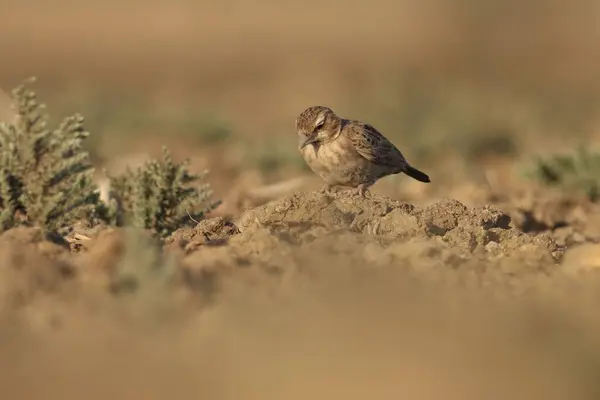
[(304, 140)]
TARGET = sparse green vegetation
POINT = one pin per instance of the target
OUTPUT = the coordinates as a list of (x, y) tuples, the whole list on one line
[(46, 176), (158, 196), (46, 179), (578, 171)]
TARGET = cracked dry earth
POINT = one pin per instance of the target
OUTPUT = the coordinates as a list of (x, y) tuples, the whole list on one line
[(312, 296)]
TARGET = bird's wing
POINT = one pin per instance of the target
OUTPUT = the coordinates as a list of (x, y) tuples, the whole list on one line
[(373, 146)]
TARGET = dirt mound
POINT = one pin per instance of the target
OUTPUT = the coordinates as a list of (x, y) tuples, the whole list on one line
[(295, 235), (449, 220), (299, 237), (569, 218), (305, 216), (306, 234)]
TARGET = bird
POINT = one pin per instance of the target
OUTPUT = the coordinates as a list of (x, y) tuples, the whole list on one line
[(345, 152)]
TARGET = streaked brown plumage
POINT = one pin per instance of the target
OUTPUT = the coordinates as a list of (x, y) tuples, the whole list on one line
[(348, 153)]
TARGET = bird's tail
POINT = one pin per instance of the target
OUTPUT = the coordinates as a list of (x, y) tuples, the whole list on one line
[(416, 174)]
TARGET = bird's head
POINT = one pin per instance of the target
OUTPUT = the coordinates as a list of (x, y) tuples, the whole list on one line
[(317, 125)]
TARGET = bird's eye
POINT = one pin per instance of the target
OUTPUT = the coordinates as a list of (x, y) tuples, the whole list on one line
[(319, 125)]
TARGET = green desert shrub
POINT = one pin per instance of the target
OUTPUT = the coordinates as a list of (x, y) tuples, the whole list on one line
[(46, 179), (159, 196), (45, 175), (578, 171)]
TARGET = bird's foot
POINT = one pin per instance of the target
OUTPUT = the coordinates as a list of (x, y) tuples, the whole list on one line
[(326, 189), (363, 191)]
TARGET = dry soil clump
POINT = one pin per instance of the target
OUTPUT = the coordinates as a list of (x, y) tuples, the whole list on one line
[(315, 232)]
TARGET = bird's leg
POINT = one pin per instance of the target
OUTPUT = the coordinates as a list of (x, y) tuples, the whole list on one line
[(363, 190)]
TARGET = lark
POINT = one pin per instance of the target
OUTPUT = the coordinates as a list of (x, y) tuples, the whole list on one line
[(349, 153)]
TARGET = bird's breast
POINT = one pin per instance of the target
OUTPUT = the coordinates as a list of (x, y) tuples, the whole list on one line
[(326, 155), (335, 162)]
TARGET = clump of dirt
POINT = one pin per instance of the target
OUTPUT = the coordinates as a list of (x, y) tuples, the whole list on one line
[(293, 236), (570, 219), (466, 229), (208, 232)]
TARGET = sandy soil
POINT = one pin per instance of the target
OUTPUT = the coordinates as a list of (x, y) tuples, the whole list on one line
[(309, 296)]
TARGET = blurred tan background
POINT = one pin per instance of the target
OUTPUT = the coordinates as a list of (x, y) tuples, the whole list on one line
[(455, 83)]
